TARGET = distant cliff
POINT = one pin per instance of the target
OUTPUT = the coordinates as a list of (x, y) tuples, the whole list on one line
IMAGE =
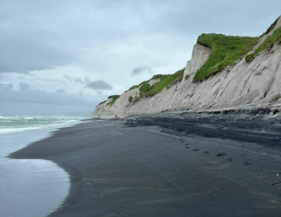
[(225, 72)]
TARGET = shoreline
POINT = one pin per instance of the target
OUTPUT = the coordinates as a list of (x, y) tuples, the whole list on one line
[(20, 184), (141, 169)]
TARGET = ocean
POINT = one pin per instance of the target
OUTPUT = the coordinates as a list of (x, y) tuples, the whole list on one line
[(30, 187), (20, 124)]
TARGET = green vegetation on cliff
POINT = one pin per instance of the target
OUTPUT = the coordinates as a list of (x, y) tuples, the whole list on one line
[(114, 98), (266, 44), (276, 97), (138, 97), (272, 26), (101, 102), (134, 87), (225, 50), (145, 87), (167, 80), (162, 77)]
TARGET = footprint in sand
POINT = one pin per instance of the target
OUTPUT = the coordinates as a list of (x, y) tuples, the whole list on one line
[(206, 152), (243, 154), (196, 149), (247, 163), (229, 159), (186, 147), (220, 154)]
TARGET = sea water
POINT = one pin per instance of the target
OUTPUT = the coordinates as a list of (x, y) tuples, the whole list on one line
[(20, 124), (30, 187)]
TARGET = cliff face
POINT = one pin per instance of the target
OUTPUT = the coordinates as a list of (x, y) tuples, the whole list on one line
[(242, 84)]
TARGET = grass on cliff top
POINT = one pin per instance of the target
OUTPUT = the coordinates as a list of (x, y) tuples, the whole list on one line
[(101, 102), (167, 80), (114, 98), (266, 44), (225, 50), (162, 77)]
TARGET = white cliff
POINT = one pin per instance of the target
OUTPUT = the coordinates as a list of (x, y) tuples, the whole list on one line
[(241, 85)]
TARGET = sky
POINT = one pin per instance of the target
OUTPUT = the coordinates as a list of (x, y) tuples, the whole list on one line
[(63, 57)]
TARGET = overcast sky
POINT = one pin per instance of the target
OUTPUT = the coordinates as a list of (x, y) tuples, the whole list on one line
[(74, 53)]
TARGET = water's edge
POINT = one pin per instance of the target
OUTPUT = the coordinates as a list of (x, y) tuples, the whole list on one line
[(30, 187)]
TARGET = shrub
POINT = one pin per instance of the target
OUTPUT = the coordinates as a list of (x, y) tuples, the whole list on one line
[(266, 44), (276, 97), (145, 87), (130, 99), (225, 50), (138, 97), (114, 98), (186, 77)]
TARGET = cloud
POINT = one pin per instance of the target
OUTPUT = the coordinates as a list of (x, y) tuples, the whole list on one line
[(6, 87), (62, 91), (99, 85), (45, 40), (23, 86), (23, 56), (141, 69), (26, 94), (84, 80)]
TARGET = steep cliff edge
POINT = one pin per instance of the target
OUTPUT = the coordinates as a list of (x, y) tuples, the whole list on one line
[(252, 81)]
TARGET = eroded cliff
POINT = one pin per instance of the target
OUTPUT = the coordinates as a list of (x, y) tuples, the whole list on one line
[(240, 85)]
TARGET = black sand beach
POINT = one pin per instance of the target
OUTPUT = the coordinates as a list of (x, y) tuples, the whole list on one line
[(160, 166)]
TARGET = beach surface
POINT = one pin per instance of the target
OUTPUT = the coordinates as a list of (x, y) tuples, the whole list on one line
[(166, 167)]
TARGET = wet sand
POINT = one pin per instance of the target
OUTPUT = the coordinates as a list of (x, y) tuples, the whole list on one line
[(141, 169)]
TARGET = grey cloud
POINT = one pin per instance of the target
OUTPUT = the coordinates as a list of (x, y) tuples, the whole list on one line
[(22, 56), (23, 86), (37, 35), (62, 91), (99, 85), (141, 69), (84, 80), (112, 37), (59, 97), (6, 86), (49, 80)]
